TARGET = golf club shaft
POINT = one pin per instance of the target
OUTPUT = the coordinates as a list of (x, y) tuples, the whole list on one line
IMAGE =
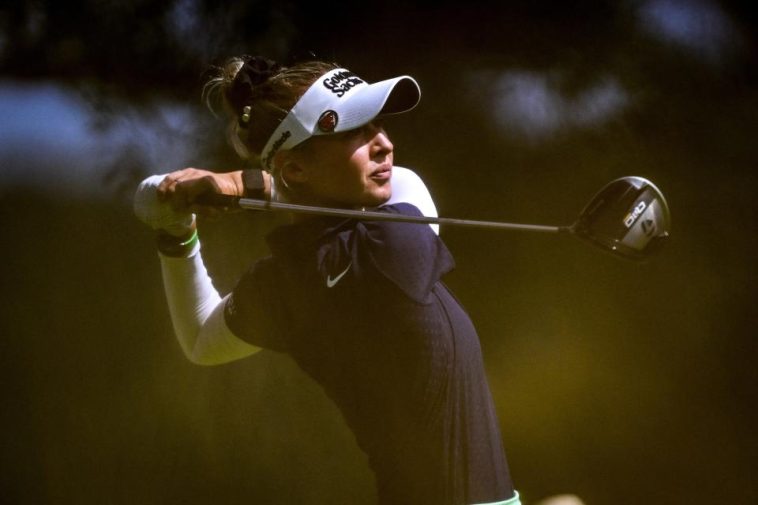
[(253, 204)]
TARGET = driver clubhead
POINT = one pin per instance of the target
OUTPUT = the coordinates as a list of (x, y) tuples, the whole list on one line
[(629, 217)]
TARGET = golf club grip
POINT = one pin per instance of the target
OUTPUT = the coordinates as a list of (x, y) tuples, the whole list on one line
[(218, 200)]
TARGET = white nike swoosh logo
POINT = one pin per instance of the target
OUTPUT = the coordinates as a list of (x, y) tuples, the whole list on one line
[(330, 283)]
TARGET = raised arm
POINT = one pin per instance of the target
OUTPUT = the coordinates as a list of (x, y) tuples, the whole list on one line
[(165, 203)]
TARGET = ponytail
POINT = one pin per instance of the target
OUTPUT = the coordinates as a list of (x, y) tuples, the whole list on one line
[(256, 94)]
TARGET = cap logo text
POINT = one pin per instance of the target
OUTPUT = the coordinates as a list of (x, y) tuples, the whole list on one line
[(341, 82), (274, 148)]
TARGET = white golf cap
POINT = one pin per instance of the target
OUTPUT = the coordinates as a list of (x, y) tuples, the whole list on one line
[(339, 101)]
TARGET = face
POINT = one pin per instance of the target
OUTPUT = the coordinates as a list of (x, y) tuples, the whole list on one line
[(349, 169)]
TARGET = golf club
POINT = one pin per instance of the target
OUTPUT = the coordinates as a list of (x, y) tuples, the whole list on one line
[(628, 217)]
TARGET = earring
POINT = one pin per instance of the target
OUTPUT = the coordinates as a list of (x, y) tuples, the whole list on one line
[(246, 113)]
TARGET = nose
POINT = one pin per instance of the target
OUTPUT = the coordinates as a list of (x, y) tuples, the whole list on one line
[(380, 141)]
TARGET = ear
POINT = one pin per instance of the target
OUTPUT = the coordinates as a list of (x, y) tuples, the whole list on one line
[(293, 171)]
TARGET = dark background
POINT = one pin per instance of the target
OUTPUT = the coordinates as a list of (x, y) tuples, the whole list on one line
[(617, 381)]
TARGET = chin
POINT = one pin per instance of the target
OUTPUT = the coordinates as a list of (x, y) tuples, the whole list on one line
[(377, 198)]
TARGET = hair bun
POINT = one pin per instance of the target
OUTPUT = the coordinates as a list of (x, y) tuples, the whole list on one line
[(254, 71)]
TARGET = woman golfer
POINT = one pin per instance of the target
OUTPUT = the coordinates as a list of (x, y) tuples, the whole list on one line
[(359, 305)]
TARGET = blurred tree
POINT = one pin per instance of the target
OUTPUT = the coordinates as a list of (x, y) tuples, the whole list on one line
[(135, 48)]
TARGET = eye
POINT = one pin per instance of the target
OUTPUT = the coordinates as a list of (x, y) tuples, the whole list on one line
[(367, 131), (362, 131), (353, 134), (374, 127)]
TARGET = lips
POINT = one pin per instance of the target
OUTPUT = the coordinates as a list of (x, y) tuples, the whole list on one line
[(383, 173)]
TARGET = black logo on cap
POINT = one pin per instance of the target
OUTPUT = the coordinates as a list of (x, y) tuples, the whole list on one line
[(341, 82), (274, 148), (327, 122)]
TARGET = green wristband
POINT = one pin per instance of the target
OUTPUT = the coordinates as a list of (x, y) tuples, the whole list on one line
[(177, 247)]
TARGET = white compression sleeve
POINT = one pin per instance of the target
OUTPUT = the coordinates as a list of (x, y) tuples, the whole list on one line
[(197, 312), (409, 188)]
